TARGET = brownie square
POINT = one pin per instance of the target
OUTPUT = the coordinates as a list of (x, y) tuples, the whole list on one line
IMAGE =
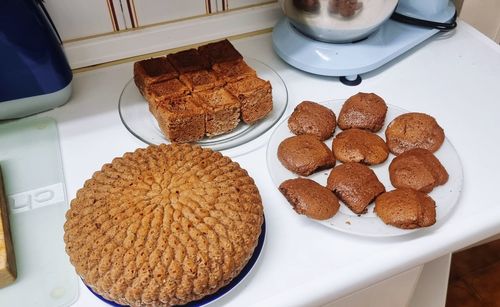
[(234, 71), (255, 96), (201, 80), (181, 119), (219, 52), (188, 60), (147, 72), (222, 111), (158, 92)]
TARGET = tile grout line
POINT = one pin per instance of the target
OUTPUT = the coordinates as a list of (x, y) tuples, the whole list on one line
[(118, 31)]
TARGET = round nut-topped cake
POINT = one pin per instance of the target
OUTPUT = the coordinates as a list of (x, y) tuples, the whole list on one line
[(164, 225)]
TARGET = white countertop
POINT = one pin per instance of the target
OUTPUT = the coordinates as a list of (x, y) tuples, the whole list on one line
[(455, 77)]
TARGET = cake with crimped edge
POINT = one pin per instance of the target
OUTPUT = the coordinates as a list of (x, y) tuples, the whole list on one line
[(164, 225)]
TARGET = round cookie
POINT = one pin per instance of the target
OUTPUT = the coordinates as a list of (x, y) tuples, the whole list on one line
[(363, 111), (418, 169), (305, 154), (356, 145), (310, 198), (163, 226), (406, 208), (414, 130), (356, 185), (312, 118)]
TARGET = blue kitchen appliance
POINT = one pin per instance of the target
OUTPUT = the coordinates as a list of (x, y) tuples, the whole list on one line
[(413, 22), (34, 73)]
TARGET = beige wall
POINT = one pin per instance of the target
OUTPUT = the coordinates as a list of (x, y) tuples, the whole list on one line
[(484, 15), (458, 4)]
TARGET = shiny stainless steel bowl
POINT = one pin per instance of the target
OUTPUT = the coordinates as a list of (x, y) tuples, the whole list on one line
[(338, 21)]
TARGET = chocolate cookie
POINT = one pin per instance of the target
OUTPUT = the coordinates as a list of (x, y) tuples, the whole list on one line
[(414, 130), (312, 118), (363, 111), (356, 185), (418, 169), (305, 154), (406, 208), (356, 145), (310, 198)]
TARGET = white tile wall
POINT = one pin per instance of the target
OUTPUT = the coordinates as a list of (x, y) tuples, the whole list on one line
[(156, 11), (80, 18), (234, 4)]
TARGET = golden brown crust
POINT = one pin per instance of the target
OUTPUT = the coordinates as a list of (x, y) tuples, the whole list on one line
[(188, 60), (234, 71), (159, 92), (255, 96), (222, 111), (310, 198), (181, 119), (356, 185), (414, 130), (220, 52), (305, 154), (406, 208), (363, 111), (149, 71), (201, 80), (356, 145), (164, 225), (418, 169), (312, 118)]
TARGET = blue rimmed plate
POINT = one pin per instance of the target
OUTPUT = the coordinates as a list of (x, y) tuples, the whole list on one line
[(224, 290)]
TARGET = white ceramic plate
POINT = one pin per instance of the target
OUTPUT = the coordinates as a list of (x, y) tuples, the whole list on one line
[(136, 117), (445, 196)]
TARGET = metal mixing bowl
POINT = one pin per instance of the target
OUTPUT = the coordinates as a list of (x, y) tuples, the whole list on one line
[(337, 21)]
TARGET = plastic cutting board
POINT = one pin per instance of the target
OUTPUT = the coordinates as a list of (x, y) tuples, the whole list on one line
[(36, 195)]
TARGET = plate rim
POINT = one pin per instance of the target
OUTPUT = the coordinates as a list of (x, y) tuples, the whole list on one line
[(398, 231), (223, 291)]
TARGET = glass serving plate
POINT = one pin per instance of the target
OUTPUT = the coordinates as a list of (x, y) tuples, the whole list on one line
[(136, 117), (369, 224)]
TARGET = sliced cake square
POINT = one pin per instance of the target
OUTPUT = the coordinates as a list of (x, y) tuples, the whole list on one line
[(181, 119), (158, 92), (188, 60), (219, 52), (222, 111), (234, 71), (356, 185), (255, 96), (147, 72), (201, 80)]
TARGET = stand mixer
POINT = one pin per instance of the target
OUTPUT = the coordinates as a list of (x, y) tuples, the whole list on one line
[(347, 38)]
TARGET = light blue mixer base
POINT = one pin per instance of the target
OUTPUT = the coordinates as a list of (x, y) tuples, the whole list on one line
[(350, 60)]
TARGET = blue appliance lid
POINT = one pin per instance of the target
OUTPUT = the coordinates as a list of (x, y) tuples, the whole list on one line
[(33, 62)]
